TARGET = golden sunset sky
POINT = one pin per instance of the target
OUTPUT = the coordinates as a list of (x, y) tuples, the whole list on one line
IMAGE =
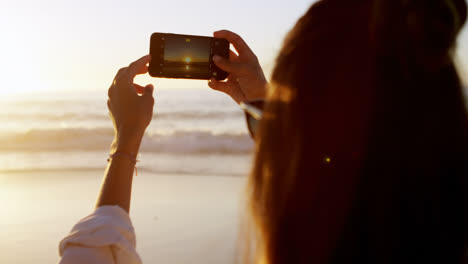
[(64, 45)]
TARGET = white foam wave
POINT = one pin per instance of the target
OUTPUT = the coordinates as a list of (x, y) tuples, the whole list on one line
[(99, 139), (78, 116)]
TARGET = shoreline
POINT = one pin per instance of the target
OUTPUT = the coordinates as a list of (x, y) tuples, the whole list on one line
[(99, 172)]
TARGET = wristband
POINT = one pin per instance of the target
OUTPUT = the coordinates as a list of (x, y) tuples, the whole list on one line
[(130, 157)]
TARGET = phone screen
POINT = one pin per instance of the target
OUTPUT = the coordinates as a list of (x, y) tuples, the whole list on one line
[(185, 55)]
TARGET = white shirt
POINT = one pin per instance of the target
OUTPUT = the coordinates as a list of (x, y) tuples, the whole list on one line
[(105, 236)]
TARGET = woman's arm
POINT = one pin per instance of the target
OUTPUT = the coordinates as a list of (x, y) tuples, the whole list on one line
[(107, 235), (117, 184), (131, 113)]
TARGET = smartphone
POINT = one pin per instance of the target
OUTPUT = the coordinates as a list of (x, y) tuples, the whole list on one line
[(186, 56)]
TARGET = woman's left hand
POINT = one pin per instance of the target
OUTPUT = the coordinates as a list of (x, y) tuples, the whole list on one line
[(130, 106)]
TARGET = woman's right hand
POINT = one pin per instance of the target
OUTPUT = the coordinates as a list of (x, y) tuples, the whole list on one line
[(130, 106), (246, 80)]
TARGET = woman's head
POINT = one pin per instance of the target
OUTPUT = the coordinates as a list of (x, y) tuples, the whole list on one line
[(364, 95)]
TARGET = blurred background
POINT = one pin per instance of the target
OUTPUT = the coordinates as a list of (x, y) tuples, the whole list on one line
[(59, 57), (60, 45)]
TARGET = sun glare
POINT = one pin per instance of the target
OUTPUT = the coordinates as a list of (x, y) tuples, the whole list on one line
[(20, 86), (188, 59)]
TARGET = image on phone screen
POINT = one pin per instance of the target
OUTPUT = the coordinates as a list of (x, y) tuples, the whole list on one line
[(186, 56)]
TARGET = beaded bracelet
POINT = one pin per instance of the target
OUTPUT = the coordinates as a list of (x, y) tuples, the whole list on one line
[(131, 157)]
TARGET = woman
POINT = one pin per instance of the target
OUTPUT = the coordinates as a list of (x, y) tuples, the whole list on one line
[(361, 154)]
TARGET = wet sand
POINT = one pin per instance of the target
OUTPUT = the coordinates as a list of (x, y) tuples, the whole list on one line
[(178, 218)]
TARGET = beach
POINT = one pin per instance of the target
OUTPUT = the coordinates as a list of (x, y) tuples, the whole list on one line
[(195, 157), (178, 218)]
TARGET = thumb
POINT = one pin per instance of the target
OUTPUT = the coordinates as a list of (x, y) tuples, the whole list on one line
[(148, 93), (148, 90), (228, 66)]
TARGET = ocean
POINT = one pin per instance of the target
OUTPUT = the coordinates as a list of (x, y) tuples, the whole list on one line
[(197, 131)]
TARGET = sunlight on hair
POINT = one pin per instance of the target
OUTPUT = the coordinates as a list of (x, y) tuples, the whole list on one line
[(326, 160), (263, 260), (283, 94)]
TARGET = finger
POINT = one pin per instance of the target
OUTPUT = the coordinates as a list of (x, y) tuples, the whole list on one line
[(110, 91), (143, 70), (220, 86), (148, 92), (109, 106), (233, 79), (121, 74), (138, 67), (139, 89), (228, 66), (225, 87), (238, 43), (233, 56)]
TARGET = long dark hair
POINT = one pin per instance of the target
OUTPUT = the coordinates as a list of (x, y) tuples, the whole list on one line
[(363, 155)]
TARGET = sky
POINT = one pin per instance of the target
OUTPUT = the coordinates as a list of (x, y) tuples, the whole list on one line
[(64, 45)]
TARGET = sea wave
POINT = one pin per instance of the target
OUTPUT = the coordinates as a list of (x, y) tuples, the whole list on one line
[(165, 171), (153, 163), (80, 116), (98, 139)]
